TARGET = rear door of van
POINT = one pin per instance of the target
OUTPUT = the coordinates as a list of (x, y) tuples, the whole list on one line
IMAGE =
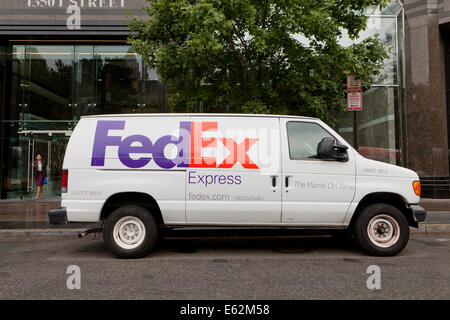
[(315, 192), (234, 174)]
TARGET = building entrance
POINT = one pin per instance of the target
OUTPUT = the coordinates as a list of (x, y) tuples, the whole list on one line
[(51, 145)]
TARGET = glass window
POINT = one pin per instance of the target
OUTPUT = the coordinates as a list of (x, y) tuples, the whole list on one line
[(379, 126), (85, 81), (304, 137), (385, 28), (378, 131), (391, 8), (346, 122), (48, 85), (119, 84)]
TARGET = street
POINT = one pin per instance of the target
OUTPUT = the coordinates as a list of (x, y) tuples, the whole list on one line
[(224, 268)]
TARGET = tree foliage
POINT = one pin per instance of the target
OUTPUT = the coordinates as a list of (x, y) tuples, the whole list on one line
[(257, 56)]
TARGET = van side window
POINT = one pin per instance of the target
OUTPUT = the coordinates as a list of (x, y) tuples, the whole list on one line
[(304, 138)]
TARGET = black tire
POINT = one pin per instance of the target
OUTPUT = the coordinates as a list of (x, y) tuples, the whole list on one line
[(149, 223), (361, 232)]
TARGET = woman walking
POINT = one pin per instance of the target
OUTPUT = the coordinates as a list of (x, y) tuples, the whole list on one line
[(40, 173)]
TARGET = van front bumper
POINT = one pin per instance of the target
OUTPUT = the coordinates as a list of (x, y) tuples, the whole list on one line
[(419, 212), (57, 216)]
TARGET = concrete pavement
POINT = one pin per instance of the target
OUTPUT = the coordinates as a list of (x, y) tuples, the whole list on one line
[(301, 268)]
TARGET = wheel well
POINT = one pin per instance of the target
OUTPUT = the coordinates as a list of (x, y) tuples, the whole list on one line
[(392, 199), (136, 198)]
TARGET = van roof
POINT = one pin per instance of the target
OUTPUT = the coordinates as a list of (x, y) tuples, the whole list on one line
[(195, 115)]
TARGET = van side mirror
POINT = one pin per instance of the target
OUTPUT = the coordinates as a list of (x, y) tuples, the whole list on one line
[(329, 149)]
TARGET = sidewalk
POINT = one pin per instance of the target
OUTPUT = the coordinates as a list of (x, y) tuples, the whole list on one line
[(29, 218), (436, 205)]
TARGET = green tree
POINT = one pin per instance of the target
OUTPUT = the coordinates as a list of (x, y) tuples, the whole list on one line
[(257, 56)]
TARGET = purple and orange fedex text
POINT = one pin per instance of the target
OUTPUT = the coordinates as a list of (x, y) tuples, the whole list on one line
[(189, 144)]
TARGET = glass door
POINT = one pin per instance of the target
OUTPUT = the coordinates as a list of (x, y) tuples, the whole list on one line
[(51, 145), (57, 149), (21, 172)]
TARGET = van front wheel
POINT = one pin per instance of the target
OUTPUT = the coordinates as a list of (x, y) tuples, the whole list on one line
[(381, 230), (130, 232)]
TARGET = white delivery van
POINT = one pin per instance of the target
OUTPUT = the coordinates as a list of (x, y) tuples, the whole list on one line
[(142, 172)]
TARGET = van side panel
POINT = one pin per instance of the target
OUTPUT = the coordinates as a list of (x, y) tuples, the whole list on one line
[(109, 156), (85, 200), (235, 174)]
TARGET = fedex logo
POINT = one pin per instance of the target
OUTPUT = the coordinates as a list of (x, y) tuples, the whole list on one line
[(189, 145)]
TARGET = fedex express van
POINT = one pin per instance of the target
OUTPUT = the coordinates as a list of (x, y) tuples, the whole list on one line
[(143, 172)]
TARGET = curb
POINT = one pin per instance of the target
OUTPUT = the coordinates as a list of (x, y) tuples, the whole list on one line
[(40, 233), (423, 229)]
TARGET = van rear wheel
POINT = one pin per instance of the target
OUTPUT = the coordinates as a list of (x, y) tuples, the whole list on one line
[(381, 230), (130, 232)]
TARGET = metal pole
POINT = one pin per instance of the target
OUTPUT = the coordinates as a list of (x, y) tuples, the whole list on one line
[(32, 169), (49, 162), (28, 166), (355, 130)]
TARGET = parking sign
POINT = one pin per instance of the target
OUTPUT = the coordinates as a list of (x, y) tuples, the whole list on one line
[(354, 94)]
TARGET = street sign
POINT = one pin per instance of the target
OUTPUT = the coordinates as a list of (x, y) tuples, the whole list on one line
[(353, 84), (354, 100), (354, 94)]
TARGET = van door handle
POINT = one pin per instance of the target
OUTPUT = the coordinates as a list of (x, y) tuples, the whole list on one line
[(286, 181), (274, 181)]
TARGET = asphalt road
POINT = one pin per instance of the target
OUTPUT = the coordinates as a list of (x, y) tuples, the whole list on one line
[(224, 268)]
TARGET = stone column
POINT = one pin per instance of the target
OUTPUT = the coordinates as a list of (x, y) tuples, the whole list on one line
[(426, 108)]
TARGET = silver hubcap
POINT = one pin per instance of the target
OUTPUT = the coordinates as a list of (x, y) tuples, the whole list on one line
[(383, 231), (129, 232)]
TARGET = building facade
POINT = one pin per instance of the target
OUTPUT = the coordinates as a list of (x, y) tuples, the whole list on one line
[(52, 71)]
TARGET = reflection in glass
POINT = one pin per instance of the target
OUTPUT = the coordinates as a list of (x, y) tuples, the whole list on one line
[(120, 71), (392, 8), (346, 127), (65, 82), (385, 28), (85, 81), (377, 125), (48, 82)]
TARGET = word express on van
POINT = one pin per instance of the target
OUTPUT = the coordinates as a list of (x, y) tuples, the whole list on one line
[(141, 173)]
